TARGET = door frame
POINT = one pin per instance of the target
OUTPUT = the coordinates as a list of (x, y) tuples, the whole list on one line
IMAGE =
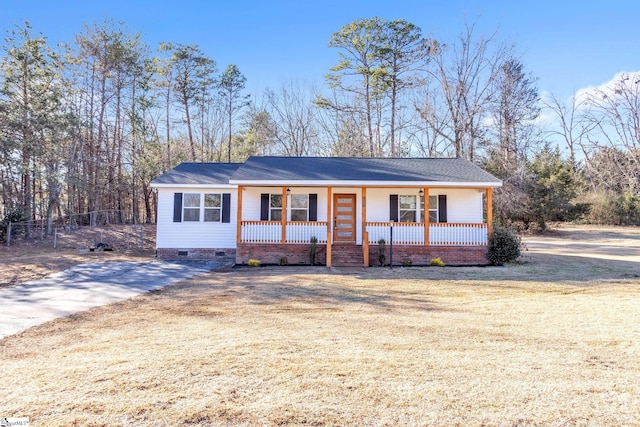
[(335, 237)]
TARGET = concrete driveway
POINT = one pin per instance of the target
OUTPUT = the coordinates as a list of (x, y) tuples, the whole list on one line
[(86, 286)]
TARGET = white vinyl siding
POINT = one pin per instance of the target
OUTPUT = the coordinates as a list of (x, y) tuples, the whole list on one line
[(194, 234), (251, 201), (463, 205)]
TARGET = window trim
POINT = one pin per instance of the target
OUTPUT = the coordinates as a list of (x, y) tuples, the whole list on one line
[(185, 196), (275, 208), (179, 208), (211, 208), (305, 209), (414, 210)]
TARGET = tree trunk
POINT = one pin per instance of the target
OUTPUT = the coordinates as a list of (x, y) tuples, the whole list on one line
[(191, 142), (168, 117)]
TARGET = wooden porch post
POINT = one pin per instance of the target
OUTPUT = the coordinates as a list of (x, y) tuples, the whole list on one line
[(284, 215), (489, 212), (239, 216), (329, 226), (365, 235), (426, 215)]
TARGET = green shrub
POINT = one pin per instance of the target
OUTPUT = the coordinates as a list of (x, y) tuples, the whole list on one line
[(284, 261), (437, 262), (313, 245), (407, 263), (16, 214), (254, 263), (382, 249), (504, 246)]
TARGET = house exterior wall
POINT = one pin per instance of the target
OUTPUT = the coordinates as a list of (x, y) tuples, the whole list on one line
[(194, 235), (226, 255), (463, 205), (251, 200), (415, 255), (297, 254), (422, 255), (217, 240)]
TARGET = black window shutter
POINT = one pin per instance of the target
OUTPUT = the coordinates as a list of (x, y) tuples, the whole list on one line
[(177, 207), (393, 207), (264, 207), (313, 207), (442, 208), (226, 207)]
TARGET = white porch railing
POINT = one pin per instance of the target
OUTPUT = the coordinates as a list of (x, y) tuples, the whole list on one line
[(404, 233), (271, 231), (302, 232), (412, 233), (458, 234), (261, 232)]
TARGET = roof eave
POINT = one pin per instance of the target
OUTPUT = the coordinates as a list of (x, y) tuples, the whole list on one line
[(186, 185), (338, 183)]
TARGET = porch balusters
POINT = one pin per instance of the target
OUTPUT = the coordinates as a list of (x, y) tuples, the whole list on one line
[(261, 232), (301, 232), (271, 231), (412, 233)]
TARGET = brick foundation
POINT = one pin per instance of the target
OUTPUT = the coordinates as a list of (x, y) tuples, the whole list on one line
[(216, 254), (296, 254), (422, 255)]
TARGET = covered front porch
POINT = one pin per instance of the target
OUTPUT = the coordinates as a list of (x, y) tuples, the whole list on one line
[(276, 223)]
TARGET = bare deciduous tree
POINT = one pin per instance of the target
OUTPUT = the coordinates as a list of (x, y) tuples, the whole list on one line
[(293, 117), (573, 127), (613, 112), (464, 72)]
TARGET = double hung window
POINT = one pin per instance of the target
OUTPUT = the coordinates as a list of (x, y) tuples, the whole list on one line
[(407, 209), (213, 207), (299, 207), (275, 207), (191, 207)]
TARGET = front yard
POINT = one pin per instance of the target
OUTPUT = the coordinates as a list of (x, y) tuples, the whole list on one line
[(555, 341)]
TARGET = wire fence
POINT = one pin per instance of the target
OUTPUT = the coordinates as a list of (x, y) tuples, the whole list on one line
[(98, 230)]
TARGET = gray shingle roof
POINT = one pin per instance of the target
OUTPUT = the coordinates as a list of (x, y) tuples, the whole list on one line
[(290, 169), (198, 174)]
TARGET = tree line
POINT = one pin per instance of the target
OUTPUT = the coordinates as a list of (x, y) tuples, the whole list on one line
[(87, 125)]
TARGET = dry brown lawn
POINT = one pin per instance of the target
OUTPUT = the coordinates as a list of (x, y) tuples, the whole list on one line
[(554, 341)]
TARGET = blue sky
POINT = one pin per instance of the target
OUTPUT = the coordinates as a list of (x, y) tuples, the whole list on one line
[(567, 45)]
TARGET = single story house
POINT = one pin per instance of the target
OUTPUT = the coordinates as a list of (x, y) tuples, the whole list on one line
[(269, 208)]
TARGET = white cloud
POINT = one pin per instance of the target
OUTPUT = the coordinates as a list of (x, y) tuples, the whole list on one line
[(628, 80)]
